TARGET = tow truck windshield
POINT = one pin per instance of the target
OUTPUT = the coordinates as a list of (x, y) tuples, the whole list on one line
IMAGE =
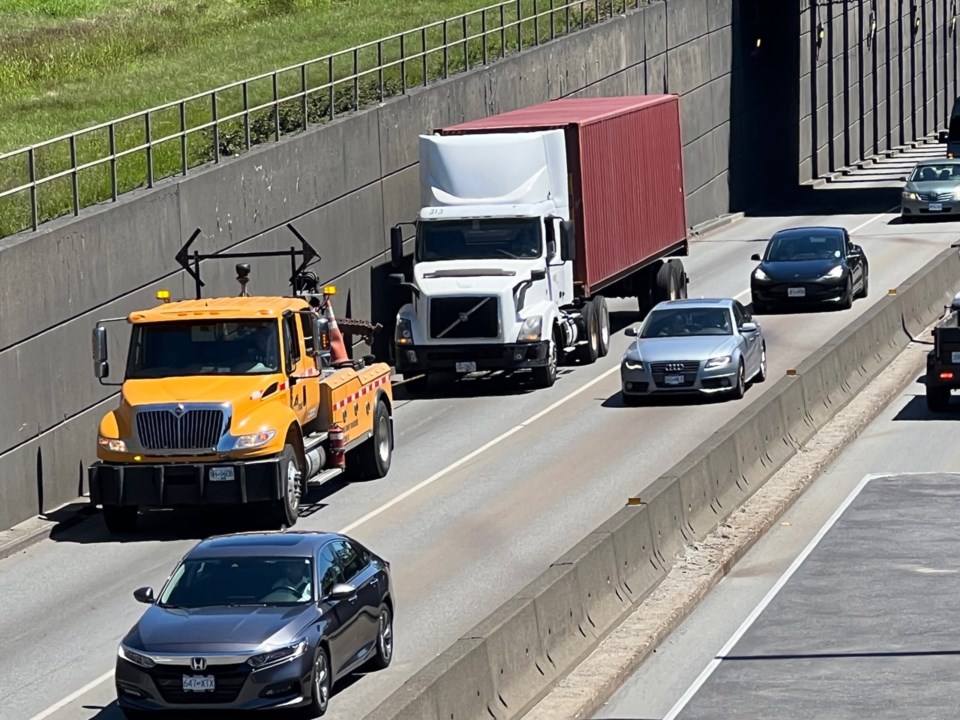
[(489, 239), (179, 349)]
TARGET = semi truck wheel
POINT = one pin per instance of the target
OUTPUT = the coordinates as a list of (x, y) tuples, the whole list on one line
[(544, 377), (669, 283), (288, 506), (374, 456), (121, 519), (938, 398), (590, 350), (603, 322)]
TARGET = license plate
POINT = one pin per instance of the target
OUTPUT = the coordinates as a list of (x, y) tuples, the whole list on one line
[(796, 292), (673, 379), (466, 367), (221, 474), (936, 207), (199, 683), (955, 358)]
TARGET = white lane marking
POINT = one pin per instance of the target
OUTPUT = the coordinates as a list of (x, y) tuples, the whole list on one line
[(725, 650), (73, 696), (742, 296), (861, 226)]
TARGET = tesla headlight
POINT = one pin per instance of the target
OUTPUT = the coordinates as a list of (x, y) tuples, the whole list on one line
[(135, 657), (403, 335), (275, 657), (255, 440), (719, 362), (530, 330), (112, 444), (760, 274), (836, 272), (906, 195)]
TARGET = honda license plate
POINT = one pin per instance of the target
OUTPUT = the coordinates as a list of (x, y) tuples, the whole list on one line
[(199, 683), (221, 474), (936, 207), (466, 367), (673, 379), (796, 292)]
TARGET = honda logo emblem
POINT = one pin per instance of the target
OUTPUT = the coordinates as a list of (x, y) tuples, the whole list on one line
[(198, 663)]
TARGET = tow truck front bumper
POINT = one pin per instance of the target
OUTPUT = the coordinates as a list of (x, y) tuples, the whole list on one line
[(185, 484), (469, 358)]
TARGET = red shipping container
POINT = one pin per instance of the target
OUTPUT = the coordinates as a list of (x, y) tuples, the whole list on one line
[(625, 160)]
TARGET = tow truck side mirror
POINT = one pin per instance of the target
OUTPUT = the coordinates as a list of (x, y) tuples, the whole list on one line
[(396, 246), (320, 342), (101, 367)]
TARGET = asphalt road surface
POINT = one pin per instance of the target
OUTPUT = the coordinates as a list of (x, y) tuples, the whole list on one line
[(860, 626), (490, 484)]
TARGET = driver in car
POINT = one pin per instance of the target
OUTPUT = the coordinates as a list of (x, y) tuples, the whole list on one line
[(296, 577)]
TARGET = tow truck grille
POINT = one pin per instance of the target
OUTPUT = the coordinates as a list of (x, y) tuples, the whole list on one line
[(464, 317), (192, 430)]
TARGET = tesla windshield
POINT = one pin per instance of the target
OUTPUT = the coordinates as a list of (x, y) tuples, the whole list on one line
[(804, 247), (210, 582), (491, 239), (693, 321)]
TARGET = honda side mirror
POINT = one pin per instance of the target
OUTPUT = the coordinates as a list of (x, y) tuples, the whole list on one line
[(341, 591)]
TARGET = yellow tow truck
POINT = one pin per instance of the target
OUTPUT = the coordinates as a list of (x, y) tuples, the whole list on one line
[(239, 400)]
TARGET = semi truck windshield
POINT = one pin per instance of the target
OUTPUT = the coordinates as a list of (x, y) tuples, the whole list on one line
[(177, 349), (489, 239)]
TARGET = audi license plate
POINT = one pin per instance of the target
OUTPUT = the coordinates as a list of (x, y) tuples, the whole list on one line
[(796, 292), (221, 474), (466, 367), (673, 379), (199, 683), (936, 207)]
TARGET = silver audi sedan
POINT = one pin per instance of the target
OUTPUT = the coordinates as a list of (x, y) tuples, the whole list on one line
[(695, 346)]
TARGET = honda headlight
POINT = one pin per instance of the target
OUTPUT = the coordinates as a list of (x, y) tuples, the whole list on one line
[(836, 272), (255, 440), (719, 362), (760, 274), (275, 657), (112, 444), (403, 334), (135, 657), (530, 330)]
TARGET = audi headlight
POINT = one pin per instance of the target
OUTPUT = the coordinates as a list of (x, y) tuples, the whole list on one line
[(836, 272), (530, 330), (255, 440), (135, 657), (719, 362), (631, 363), (760, 274), (112, 444), (909, 195), (275, 657), (403, 334)]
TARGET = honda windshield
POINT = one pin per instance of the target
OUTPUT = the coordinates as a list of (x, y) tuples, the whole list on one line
[(211, 582)]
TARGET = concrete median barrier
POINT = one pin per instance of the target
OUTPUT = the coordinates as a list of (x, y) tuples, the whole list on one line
[(510, 661)]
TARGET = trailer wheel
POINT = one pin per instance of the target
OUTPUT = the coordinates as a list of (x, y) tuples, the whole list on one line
[(603, 317), (374, 456), (938, 398), (121, 519), (681, 280), (287, 508), (589, 351)]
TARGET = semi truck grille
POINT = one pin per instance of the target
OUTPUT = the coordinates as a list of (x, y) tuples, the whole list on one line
[(464, 317), (193, 430)]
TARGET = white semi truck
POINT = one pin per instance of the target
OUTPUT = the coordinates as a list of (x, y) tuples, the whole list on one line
[(529, 220)]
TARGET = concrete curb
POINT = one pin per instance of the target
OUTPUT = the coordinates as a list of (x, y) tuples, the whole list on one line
[(709, 226), (36, 529)]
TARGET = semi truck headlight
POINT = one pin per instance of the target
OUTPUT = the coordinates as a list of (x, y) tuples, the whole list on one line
[(404, 332), (255, 440), (530, 330), (112, 444)]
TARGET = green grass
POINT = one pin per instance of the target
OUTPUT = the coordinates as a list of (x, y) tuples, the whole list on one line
[(70, 64)]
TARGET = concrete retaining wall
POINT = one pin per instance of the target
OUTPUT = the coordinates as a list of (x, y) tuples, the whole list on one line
[(508, 662), (343, 186)]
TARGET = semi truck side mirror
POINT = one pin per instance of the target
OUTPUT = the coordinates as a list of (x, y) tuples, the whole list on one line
[(568, 240), (396, 246), (101, 367), (538, 274)]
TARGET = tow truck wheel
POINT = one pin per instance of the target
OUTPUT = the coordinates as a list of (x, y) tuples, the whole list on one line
[(938, 398), (121, 519), (288, 506), (375, 454)]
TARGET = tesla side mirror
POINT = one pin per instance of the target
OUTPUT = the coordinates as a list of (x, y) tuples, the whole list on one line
[(341, 591), (631, 331), (749, 327), (144, 595), (755, 257)]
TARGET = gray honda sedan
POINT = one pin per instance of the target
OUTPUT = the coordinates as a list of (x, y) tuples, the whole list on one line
[(258, 621), (931, 190), (702, 346)]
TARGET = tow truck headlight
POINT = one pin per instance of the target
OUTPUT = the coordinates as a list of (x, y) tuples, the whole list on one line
[(404, 332), (719, 362), (275, 657), (135, 657), (112, 444), (255, 440), (530, 330)]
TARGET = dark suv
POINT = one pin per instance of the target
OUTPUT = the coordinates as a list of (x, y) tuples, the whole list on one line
[(258, 621)]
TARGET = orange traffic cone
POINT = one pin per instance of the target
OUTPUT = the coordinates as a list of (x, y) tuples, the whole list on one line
[(338, 351)]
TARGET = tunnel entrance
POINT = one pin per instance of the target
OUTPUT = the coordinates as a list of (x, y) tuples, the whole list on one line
[(764, 104)]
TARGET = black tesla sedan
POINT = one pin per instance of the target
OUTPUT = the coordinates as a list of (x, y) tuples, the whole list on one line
[(807, 266), (257, 621)]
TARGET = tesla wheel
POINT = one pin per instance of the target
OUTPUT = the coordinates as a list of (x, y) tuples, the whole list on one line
[(383, 654), (865, 288), (762, 372), (740, 388), (938, 399), (848, 297), (288, 506), (121, 519), (546, 376), (375, 455), (320, 685)]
